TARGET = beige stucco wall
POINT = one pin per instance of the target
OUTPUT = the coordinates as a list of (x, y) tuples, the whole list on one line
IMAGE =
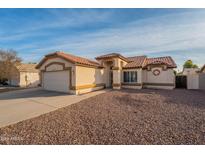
[(145, 76), (28, 79), (117, 74), (19, 78), (116, 77), (165, 76), (86, 75)]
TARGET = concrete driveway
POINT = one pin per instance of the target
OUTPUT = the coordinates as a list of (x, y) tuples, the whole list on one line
[(16, 106)]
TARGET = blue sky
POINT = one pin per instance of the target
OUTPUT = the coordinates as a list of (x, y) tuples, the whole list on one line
[(179, 33)]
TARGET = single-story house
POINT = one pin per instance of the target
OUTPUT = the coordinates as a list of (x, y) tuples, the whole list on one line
[(196, 80), (73, 74), (25, 75)]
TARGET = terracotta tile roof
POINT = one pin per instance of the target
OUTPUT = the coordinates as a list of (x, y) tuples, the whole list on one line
[(72, 59), (143, 61), (160, 60), (27, 68), (112, 55), (135, 62), (132, 62)]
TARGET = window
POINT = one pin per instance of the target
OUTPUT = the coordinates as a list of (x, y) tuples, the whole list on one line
[(130, 76)]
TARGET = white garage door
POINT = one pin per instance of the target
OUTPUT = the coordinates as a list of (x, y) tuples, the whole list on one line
[(56, 81)]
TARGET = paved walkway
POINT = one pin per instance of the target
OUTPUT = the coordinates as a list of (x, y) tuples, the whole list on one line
[(16, 106)]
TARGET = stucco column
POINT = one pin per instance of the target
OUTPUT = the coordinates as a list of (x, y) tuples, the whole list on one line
[(116, 74), (116, 79)]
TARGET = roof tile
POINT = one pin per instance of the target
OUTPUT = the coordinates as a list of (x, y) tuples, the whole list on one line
[(72, 58), (111, 55), (132, 62), (135, 62), (79, 60), (27, 68), (160, 60)]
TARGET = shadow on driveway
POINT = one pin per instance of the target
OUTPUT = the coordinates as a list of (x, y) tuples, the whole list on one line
[(29, 94)]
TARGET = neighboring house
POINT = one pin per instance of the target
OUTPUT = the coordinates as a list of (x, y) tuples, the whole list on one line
[(72, 74), (202, 78), (25, 75), (187, 71), (196, 80)]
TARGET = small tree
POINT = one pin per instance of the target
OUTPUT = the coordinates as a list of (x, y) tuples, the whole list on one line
[(195, 66), (189, 64), (8, 58)]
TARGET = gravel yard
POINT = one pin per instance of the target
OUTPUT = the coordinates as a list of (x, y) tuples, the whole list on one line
[(118, 117)]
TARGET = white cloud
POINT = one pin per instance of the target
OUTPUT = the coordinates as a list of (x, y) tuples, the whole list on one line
[(139, 37), (55, 18), (172, 32)]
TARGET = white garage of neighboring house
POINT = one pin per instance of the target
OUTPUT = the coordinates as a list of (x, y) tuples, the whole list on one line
[(24, 75), (76, 75), (196, 80)]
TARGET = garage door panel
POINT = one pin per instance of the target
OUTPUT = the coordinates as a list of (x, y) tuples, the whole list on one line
[(56, 81)]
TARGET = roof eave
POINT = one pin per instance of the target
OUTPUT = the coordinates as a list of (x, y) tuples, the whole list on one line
[(132, 67), (53, 55), (123, 58)]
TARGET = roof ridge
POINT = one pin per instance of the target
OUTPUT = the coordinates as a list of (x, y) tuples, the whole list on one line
[(137, 56), (160, 57), (110, 55), (73, 58), (78, 57), (26, 67)]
